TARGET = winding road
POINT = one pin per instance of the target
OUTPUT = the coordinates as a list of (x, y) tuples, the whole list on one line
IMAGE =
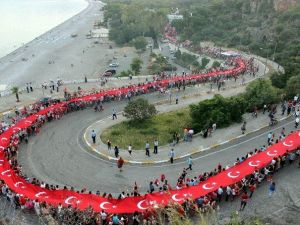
[(66, 160)]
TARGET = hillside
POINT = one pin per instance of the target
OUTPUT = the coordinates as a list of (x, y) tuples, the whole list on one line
[(270, 28)]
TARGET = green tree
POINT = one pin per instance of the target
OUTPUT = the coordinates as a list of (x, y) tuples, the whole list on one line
[(125, 73), (139, 110), (279, 80), (136, 65), (219, 110), (139, 43), (293, 86), (260, 92), (216, 64), (15, 90), (204, 62)]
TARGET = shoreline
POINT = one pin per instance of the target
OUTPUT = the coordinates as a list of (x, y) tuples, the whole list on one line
[(44, 33), (24, 64)]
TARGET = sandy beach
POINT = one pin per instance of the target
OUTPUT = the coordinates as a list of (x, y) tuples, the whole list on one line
[(57, 54)]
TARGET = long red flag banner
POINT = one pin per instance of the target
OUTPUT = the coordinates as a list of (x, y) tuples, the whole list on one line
[(140, 203)]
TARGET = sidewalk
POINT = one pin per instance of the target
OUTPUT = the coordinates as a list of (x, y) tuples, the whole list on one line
[(9, 102), (183, 149)]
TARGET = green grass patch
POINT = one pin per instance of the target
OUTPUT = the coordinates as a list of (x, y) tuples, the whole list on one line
[(160, 127)]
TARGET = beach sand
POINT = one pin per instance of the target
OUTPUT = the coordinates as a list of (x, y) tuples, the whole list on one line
[(57, 54)]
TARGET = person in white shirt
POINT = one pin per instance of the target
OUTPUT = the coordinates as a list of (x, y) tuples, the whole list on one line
[(155, 147), (130, 149), (103, 216), (297, 122), (297, 113), (37, 207), (228, 193), (219, 194)]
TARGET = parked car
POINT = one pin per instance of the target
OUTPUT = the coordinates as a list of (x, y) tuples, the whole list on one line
[(109, 73), (114, 65)]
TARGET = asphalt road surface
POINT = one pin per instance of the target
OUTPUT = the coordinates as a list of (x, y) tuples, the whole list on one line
[(58, 155)]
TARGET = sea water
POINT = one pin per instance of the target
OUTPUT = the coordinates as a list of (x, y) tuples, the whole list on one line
[(23, 20)]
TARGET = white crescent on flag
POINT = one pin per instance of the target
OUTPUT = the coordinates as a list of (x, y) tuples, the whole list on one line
[(68, 200), (20, 185), (254, 163), (41, 194), (139, 205), (102, 205), (288, 145), (233, 174), (272, 153), (6, 173), (177, 199), (207, 186)]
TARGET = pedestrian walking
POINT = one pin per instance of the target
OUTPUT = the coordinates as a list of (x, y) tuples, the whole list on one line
[(155, 150), (219, 194), (94, 136), (177, 98), (283, 108), (265, 108), (120, 163), (243, 128), (244, 200), (103, 216), (114, 114), (115, 220), (129, 149), (147, 148), (214, 127), (30, 86), (252, 188), (151, 187), (116, 151), (297, 122), (297, 113), (27, 87), (282, 132), (190, 163), (228, 193), (269, 137), (272, 189), (108, 145), (135, 219), (170, 97), (172, 155)]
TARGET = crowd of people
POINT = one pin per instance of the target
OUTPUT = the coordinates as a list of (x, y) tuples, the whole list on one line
[(71, 215)]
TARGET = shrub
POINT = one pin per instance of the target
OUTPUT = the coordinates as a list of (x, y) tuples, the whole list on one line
[(139, 109), (219, 110), (260, 92), (293, 86)]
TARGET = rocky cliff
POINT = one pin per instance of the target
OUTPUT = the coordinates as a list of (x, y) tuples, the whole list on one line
[(278, 5), (282, 5)]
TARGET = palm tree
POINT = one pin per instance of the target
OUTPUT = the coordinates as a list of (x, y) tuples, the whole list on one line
[(15, 90)]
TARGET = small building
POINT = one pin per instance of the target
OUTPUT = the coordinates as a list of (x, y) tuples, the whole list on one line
[(230, 54), (172, 17), (100, 33)]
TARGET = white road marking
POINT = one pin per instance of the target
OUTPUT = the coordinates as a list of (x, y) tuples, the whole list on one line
[(183, 162)]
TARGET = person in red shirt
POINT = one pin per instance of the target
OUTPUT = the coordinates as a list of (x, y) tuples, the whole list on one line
[(120, 163), (244, 199), (252, 188)]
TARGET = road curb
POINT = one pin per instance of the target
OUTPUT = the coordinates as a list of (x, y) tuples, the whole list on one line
[(152, 162)]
